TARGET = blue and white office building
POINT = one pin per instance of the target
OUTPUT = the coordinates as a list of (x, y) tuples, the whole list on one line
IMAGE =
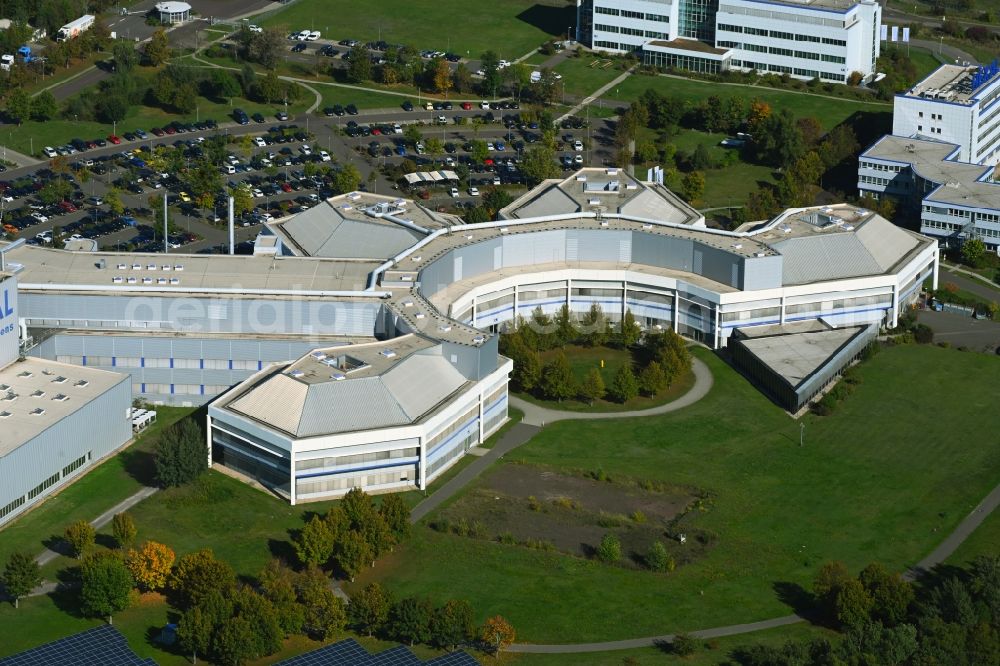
[(358, 346)]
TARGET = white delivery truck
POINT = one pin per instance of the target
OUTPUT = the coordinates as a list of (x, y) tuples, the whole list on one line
[(75, 28)]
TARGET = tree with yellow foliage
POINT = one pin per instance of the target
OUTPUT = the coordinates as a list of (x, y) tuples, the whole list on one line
[(150, 565)]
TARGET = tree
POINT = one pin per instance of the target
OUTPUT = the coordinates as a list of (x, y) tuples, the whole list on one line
[(123, 527), (442, 76), (396, 514), (827, 583), (853, 604), (150, 565), (624, 387), (242, 199), (157, 49), (778, 141), (369, 609), (20, 576), (260, 615), (891, 594), (18, 105), (278, 584), (194, 632), (80, 536), (125, 56), (378, 536), (325, 613), (592, 386), (105, 587), (595, 326), (973, 251), (683, 645), (452, 625), (658, 559), (352, 553), (610, 549), (180, 454), (558, 382), (198, 574), (267, 47), (489, 63), (628, 331), (693, 185), (652, 379), (43, 106), (347, 179), (360, 68), (313, 543), (233, 644), (497, 633), (410, 620), (269, 88), (700, 159), (462, 78)]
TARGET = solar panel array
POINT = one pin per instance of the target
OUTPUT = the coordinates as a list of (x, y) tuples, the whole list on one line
[(350, 653), (101, 646)]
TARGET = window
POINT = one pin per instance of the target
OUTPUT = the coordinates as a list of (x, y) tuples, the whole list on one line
[(75, 465), (41, 487), (19, 502)]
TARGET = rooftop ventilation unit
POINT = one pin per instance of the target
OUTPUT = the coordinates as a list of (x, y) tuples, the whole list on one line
[(81, 383), (417, 258), (387, 353), (354, 196), (604, 223), (786, 228), (137, 267), (122, 267), (468, 236), (581, 179), (132, 280), (647, 226), (504, 230), (178, 267), (25, 374), (59, 380), (594, 202), (611, 172), (60, 397), (759, 255), (737, 246), (38, 393), (166, 267), (150, 267), (9, 397), (319, 356), (407, 304), (338, 376), (37, 411), (4, 415), (444, 328), (478, 340), (296, 374), (420, 315)]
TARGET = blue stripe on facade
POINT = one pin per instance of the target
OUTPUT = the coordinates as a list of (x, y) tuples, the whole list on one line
[(399, 462), (444, 444), (644, 304)]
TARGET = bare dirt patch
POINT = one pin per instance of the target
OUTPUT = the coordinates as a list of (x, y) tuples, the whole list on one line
[(550, 510)]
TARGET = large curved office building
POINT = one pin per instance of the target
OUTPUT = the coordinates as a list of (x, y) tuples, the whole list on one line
[(358, 346)]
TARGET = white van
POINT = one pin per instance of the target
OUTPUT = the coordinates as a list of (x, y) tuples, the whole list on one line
[(302, 36)]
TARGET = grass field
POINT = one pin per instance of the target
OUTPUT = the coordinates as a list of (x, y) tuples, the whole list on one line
[(114, 480), (828, 110), (512, 28), (584, 75), (895, 469), (363, 99)]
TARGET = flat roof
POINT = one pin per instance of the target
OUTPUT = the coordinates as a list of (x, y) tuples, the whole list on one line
[(353, 361), (821, 4), (952, 83), (184, 273), (960, 183), (687, 45), (56, 389), (796, 351)]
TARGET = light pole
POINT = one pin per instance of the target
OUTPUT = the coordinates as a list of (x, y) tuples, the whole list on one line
[(802, 433)]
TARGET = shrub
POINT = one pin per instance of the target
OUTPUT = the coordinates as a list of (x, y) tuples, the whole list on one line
[(658, 559), (638, 517), (180, 454), (507, 539), (533, 503), (923, 334), (610, 550), (683, 645)]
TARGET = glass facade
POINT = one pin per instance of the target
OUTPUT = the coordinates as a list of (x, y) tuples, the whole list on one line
[(687, 61), (696, 19)]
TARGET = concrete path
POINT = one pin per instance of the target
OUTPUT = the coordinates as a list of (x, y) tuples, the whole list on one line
[(958, 535), (597, 93), (20, 159), (947, 51), (102, 520), (537, 415), (513, 438), (977, 284)]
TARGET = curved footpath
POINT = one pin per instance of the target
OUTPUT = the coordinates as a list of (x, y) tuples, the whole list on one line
[(537, 415)]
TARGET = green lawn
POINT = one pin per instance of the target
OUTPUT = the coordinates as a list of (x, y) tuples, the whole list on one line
[(511, 28), (895, 469), (984, 541), (91, 495), (829, 111), (925, 62), (363, 99), (584, 75)]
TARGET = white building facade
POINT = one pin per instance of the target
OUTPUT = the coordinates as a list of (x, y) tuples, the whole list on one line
[(826, 39), (955, 104)]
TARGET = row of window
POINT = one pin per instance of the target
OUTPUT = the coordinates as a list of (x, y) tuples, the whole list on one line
[(626, 13), (775, 16), (777, 34), (12, 506), (336, 483), (634, 32), (76, 464), (781, 69), (933, 130), (612, 46), (176, 363), (934, 116), (179, 389), (356, 459), (873, 180), (43, 486), (746, 315), (838, 304), (878, 166), (453, 427)]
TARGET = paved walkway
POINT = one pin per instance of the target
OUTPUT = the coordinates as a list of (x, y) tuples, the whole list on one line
[(20, 159), (597, 93), (977, 284), (537, 415)]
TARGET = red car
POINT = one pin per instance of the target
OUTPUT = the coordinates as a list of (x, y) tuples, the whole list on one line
[(157, 131), (488, 162), (169, 129), (114, 139), (376, 131), (467, 106), (67, 206), (286, 187)]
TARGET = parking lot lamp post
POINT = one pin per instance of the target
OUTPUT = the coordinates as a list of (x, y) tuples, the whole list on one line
[(802, 433), (166, 243)]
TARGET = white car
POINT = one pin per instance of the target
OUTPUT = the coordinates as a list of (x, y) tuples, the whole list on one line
[(259, 141), (38, 216), (454, 192), (484, 104), (324, 156), (49, 151), (397, 129), (490, 147), (303, 35), (313, 36), (503, 63), (257, 193), (578, 145), (442, 120), (8, 198), (473, 191), (578, 159), (305, 149), (255, 28)]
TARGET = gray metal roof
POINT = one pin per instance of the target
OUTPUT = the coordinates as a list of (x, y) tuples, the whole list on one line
[(793, 353), (319, 233)]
